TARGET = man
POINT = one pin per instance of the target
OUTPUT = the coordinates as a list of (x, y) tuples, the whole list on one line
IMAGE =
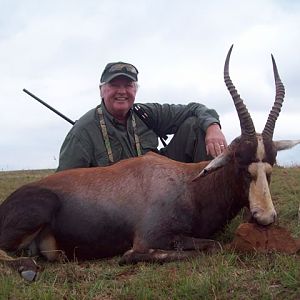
[(116, 129)]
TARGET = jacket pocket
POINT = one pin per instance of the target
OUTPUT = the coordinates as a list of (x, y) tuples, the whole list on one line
[(149, 141)]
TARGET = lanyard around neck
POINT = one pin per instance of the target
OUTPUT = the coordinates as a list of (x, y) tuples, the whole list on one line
[(106, 138)]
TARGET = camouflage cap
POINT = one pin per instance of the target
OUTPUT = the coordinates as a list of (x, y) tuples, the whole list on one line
[(115, 69)]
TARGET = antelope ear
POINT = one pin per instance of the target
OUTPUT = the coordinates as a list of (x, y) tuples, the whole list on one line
[(285, 144), (215, 164)]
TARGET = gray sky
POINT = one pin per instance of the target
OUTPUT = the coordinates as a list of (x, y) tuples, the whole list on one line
[(58, 49)]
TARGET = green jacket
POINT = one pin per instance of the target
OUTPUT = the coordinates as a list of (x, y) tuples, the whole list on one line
[(84, 145)]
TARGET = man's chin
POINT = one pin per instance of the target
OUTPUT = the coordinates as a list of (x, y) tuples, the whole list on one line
[(122, 109), (122, 105)]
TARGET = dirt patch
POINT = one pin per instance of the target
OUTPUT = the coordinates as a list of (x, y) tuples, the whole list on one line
[(252, 237)]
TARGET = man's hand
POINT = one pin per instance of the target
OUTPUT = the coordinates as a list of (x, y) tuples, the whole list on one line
[(215, 140)]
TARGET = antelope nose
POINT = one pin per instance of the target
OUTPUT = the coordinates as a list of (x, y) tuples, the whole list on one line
[(264, 219)]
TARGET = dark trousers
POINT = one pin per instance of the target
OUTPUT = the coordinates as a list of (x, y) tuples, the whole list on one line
[(188, 143)]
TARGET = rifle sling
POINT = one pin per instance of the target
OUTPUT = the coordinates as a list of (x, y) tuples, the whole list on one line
[(149, 122)]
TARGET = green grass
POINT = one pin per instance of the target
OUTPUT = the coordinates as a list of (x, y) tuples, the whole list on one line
[(223, 275)]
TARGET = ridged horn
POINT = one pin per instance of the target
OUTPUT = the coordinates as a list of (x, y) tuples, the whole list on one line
[(247, 126), (274, 113)]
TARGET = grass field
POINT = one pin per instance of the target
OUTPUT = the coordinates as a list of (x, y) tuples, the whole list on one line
[(223, 275)]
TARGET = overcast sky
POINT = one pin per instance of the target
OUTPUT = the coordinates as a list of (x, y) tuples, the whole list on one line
[(58, 49)]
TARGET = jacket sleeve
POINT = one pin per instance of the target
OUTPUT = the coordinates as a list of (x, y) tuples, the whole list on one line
[(73, 154), (168, 117)]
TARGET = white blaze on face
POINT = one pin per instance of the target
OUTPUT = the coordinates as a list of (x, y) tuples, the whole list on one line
[(261, 205)]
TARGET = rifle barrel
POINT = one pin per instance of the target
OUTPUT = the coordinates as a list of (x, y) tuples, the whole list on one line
[(48, 106)]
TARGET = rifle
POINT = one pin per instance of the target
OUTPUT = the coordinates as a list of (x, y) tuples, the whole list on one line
[(48, 106), (139, 111)]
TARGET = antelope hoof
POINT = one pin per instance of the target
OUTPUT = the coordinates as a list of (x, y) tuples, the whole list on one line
[(29, 275), (28, 269)]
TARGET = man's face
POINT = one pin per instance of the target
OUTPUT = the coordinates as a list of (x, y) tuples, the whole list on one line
[(119, 95)]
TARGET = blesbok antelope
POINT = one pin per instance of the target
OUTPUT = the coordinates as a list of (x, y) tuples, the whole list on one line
[(148, 208)]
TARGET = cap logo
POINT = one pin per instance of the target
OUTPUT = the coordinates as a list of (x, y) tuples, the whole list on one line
[(120, 67)]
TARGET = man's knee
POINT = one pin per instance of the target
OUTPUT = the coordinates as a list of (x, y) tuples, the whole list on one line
[(191, 132), (190, 125), (188, 143)]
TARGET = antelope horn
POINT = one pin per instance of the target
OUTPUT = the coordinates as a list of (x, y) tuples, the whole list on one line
[(247, 126), (274, 113)]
